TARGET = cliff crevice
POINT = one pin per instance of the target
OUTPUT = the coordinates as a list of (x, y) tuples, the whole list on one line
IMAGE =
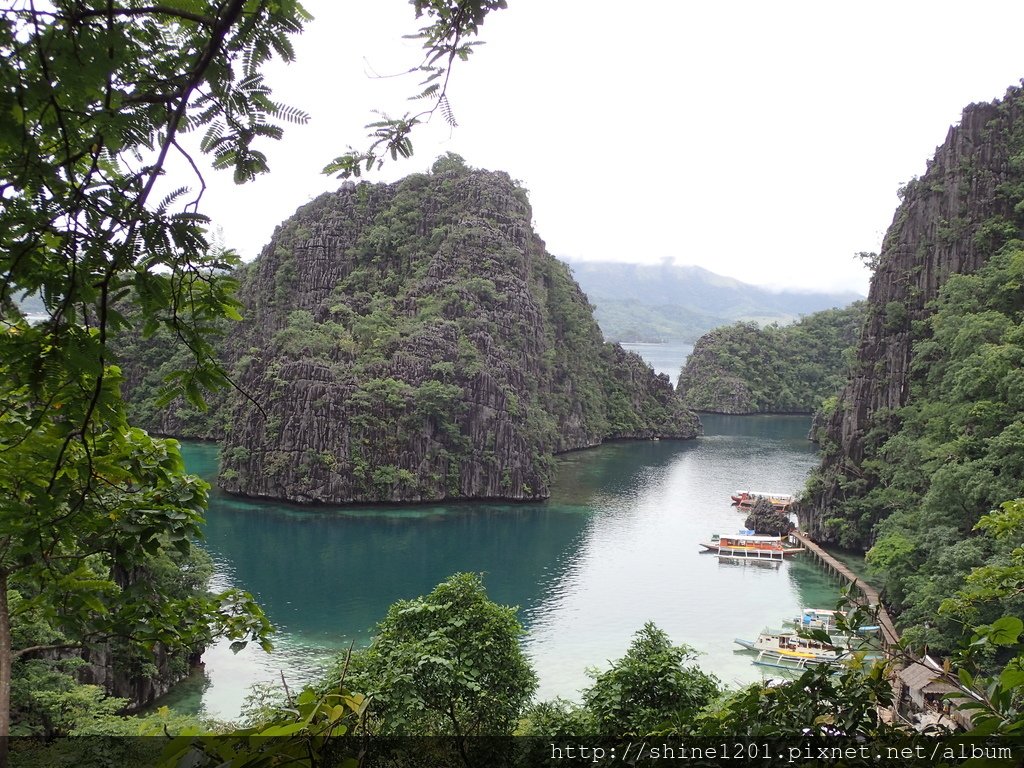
[(950, 221), (416, 342)]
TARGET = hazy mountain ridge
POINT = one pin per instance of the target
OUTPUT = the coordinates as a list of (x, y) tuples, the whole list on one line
[(671, 302)]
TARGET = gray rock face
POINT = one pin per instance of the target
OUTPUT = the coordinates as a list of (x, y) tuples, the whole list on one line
[(745, 368), (414, 342), (102, 668), (819, 426), (947, 224)]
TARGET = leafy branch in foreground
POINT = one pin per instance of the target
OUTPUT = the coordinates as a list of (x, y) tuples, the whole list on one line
[(444, 43), (991, 664), (93, 100), (306, 730)]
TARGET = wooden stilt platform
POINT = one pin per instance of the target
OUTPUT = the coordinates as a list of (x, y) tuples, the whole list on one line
[(868, 594)]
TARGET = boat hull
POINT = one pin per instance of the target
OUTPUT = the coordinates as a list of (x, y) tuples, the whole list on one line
[(753, 553), (747, 499), (780, 659)]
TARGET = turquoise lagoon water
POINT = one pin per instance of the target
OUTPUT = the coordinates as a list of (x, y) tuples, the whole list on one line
[(614, 547)]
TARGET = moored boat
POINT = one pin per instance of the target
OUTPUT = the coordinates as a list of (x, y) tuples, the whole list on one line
[(789, 650), (747, 499), (816, 618), (825, 619), (744, 545)]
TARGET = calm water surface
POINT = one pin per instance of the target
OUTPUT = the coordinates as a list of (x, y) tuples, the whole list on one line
[(668, 357), (614, 547)]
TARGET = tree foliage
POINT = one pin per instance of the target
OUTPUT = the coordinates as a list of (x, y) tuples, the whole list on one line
[(938, 466), (94, 100), (445, 41), (744, 368), (47, 691), (814, 708), (448, 663), (92, 103), (654, 691), (652, 686)]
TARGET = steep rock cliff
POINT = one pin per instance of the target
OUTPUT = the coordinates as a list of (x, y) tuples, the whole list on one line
[(415, 341), (104, 668), (951, 220), (744, 368)]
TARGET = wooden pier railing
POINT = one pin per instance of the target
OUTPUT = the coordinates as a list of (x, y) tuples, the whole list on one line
[(868, 594)]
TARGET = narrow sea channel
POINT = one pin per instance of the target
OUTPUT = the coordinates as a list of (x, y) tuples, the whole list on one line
[(615, 546)]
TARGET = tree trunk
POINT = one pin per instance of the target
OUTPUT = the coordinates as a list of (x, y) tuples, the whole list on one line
[(6, 658)]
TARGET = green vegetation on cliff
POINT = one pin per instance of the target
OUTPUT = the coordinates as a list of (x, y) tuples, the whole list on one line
[(926, 438), (954, 452), (413, 342), (743, 368)]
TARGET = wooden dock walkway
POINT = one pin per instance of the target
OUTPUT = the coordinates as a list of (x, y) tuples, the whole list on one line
[(868, 594)]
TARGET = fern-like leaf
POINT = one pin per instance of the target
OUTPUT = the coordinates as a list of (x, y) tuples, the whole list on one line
[(290, 114), (446, 110), (429, 92), (170, 198)]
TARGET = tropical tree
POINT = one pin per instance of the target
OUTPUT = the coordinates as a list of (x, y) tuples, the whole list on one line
[(820, 707), (94, 99), (448, 663), (991, 664), (77, 535), (654, 684)]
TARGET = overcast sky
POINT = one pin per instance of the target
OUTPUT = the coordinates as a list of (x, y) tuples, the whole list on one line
[(764, 141)]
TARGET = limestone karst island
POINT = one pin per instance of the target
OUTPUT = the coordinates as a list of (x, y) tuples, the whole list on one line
[(408, 488)]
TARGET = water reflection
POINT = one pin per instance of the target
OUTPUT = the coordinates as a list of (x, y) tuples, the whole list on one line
[(616, 546)]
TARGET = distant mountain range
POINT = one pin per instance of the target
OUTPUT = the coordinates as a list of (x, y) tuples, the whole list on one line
[(668, 302), (31, 305)]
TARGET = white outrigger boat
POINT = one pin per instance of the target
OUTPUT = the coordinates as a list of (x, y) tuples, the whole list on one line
[(787, 650), (825, 619), (752, 546)]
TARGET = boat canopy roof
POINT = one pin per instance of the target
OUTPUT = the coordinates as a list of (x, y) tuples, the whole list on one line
[(748, 537), (766, 494)]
